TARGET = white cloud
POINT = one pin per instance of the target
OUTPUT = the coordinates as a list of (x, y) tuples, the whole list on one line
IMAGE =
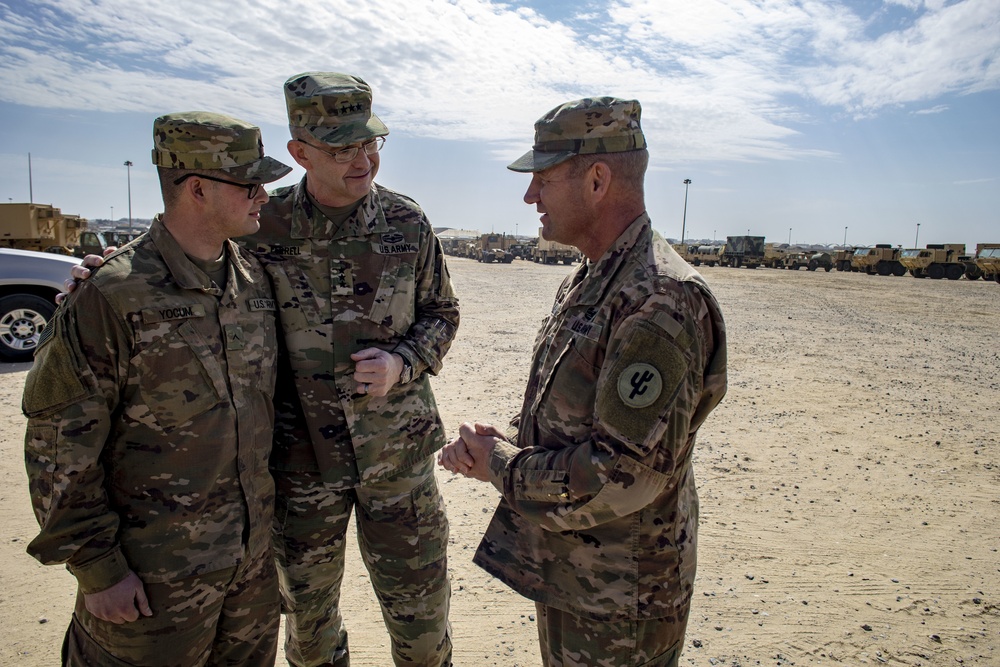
[(718, 79)]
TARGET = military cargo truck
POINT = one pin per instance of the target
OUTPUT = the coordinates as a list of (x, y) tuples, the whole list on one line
[(745, 251), (883, 260), (774, 256), (493, 248), (936, 261), (972, 269), (988, 261), (704, 254), (551, 252), (842, 259), (47, 228)]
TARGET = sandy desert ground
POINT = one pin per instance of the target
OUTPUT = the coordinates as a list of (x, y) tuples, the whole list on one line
[(850, 481)]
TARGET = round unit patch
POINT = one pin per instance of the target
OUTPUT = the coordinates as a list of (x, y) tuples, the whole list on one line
[(639, 385)]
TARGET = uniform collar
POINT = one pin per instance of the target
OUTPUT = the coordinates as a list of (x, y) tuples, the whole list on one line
[(183, 270), (308, 222), (593, 279)]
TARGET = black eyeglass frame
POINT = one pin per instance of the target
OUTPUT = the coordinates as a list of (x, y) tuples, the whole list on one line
[(252, 188)]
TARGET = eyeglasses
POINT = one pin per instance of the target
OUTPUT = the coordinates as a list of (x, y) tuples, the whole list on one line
[(351, 152), (251, 188)]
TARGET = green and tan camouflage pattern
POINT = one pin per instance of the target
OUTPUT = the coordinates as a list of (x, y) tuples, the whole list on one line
[(403, 539), (195, 140), (226, 617), (379, 280), (150, 418), (567, 640), (582, 127), (599, 512), (330, 107)]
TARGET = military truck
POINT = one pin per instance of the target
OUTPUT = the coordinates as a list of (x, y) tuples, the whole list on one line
[(46, 228), (842, 259), (551, 252), (795, 261), (936, 261), (821, 260), (988, 261), (745, 251), (883, 260), (493, 248), (972, 269), (774, 255), (704, 254)]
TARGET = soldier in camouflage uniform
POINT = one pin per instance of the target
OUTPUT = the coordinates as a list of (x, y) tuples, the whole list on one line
[(598, 517), (367, 311), (150, 422)]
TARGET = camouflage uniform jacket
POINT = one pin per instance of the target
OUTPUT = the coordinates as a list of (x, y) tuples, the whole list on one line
[(379, 280), (150, 418), (599, 510)]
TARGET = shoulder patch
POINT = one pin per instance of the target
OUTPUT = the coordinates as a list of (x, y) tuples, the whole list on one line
[(641, 384)]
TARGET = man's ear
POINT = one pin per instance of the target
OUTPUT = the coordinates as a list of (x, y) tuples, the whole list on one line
[(598, 180), (297, 150)]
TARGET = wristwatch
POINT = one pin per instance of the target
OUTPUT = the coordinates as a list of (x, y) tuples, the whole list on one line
[(407, 373)]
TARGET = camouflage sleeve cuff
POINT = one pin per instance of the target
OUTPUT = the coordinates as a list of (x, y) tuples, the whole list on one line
[(499, 462), (101, 573), (411, 358)]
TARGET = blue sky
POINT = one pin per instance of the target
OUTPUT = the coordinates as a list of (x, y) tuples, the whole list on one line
[(807, 115)]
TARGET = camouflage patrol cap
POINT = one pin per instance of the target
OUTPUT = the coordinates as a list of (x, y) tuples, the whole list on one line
[(205, 140), (581, 127), (333, 108)]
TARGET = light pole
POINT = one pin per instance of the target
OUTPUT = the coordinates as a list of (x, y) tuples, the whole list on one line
[(128, 173), (917, 237), (112, 214), (687, 182), (845, 238), (789, 236)]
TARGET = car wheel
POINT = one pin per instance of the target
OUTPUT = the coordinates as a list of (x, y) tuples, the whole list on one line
[(22, 318)]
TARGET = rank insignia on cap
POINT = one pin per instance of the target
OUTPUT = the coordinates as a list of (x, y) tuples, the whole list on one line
[(639, 385)]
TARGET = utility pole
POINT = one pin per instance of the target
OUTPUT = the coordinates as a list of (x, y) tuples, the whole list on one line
[(917, 237), (687, 182), (128, 173), (31, 191)]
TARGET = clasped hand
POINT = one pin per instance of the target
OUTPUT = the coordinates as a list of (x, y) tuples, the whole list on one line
[(469, 453)]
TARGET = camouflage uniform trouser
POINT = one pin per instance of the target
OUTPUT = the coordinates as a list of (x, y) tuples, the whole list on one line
[(229, 617), (402, 535), (568, 640)]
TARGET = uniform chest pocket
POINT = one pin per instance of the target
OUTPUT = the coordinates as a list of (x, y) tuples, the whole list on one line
[(179, 377), (565, 401), (394, 304)]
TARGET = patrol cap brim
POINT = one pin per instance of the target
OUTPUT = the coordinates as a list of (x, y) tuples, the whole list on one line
[(265, 170), (349, 133), (539, 161)]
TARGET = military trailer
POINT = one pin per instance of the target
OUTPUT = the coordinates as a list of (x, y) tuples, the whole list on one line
[(493, 248), (821, 260), (936, 261), (551, 252), (46, 228), (882, 260), (745, 251), (988, 261), (704, 254)]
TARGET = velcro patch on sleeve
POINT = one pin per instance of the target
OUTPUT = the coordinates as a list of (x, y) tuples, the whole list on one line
[(641, 385)]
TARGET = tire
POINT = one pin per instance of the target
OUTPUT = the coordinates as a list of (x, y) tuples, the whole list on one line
[(954, 271), (883, 269), (898, 270), (827, 268), (22, 318), (935, 272), (813, 265)]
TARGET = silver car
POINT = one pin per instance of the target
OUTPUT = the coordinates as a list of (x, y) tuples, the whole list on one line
[(29, 282)]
